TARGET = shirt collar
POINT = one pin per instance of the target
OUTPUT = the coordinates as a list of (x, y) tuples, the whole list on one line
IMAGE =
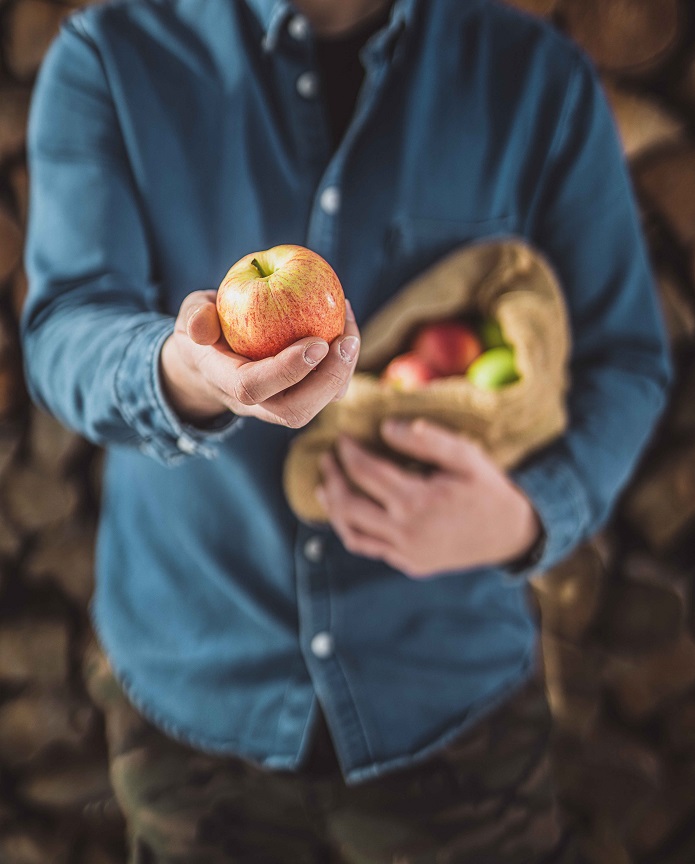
[(273, 14)]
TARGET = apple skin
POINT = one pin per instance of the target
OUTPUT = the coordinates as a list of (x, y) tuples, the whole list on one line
[(493, 369), (296, 293), (448, 347), (407, 372)]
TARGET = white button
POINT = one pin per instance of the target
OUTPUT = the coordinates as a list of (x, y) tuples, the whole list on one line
[(186, 445), (307, 85), (330, 200), (313, 549), (298, 27), (322, 645)]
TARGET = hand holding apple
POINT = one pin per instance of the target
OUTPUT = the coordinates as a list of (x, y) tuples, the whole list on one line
[(203, 378)]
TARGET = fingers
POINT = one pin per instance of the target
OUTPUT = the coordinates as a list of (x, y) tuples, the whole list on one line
[(198, 318), (379, 478), (269, 382), (433, 444), (328, 381), (360, 522)]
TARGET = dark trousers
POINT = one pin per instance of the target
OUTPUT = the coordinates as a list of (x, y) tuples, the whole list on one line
[(485, 799)]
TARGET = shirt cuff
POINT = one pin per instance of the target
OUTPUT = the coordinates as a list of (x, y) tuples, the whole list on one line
[(144, 406), (561, 502)]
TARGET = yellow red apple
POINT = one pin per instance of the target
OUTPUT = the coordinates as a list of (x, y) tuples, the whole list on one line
[(447, 347), (270, 299), (407, 372)]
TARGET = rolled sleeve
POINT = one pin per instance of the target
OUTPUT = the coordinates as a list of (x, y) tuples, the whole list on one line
[(91, 326), (142, 402)]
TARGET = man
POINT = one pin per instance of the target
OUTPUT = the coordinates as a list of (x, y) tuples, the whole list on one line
[(365, 693)]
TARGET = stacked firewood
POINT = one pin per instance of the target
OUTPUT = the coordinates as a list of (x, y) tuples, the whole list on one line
[(618, 632)]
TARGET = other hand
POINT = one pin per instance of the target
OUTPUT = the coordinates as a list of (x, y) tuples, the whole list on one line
[(203, 377), (465, 513)]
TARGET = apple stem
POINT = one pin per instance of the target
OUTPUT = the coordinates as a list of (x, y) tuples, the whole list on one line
[(254, 263)]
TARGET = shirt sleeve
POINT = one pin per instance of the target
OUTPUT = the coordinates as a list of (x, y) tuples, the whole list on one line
[(91, 328), (585, 219)]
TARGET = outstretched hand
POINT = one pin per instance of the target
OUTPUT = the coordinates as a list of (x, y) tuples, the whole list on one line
[(465, 513), (202, 377)]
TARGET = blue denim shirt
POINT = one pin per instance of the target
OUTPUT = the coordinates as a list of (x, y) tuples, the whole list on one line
[(168, 139)]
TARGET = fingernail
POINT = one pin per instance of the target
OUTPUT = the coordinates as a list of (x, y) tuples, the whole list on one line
[(349, 348), (321, 496), (194, 314), (315, 352), (349, 314)]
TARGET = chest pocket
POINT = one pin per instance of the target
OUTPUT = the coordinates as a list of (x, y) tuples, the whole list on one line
[(415, 243)]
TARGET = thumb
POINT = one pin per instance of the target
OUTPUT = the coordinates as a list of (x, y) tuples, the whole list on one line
[(435, 445), (198, 318)]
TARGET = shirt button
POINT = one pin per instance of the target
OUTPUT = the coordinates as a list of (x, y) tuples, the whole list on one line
[(330, 200), (322, 645), (186, 445), (307, 85), (313, 549), (298, 27)]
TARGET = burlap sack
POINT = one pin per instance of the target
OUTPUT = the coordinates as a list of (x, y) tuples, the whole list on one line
[(505, 280)]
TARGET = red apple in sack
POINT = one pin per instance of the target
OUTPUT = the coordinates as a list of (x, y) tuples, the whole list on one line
[(407, 372), (268, 300), (447, 347)]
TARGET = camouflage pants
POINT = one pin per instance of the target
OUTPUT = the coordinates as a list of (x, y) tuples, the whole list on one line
[(485, 799)]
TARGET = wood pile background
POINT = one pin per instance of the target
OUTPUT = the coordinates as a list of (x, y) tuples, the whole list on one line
[(618, 622)]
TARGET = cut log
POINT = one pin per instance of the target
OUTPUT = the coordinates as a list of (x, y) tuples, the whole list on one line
[(32, 723), (677, 308), (630, 36), (643, 124), (10, 243), (32, 844), (645, 609), (643, 686), (603, 843), (64, 556), (671, 811), (682, 417), (662, 502), (30, 27), (35, 500), (19, 289), (14, 109), (573, 681), (615, 775), (570, 594), (667, 182), (34, 651), (50, 443), (678, 729), (10, 370), (544, 8), (70, 785), (19, 183)]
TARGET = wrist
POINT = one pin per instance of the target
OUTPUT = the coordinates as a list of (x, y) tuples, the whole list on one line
[(530, 538), (527, 535), (184, 391)]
